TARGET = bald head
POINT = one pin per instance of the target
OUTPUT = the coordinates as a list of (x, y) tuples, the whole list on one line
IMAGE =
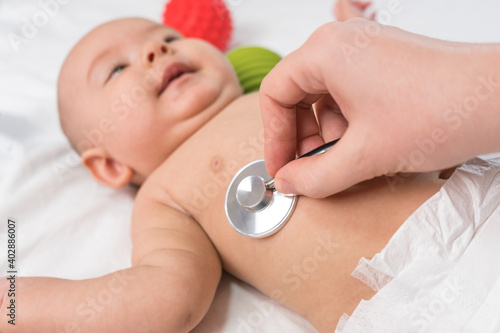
[(75, 114), (71, 111)]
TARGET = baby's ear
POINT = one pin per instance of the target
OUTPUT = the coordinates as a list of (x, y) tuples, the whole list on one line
[(105, 169)]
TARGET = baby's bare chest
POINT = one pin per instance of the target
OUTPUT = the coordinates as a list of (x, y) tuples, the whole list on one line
[(196, 176)]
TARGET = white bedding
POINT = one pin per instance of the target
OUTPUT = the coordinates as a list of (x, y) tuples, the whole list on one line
[(67, 225)]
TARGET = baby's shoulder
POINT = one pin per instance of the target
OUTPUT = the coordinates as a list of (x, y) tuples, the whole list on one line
[(156, 189)]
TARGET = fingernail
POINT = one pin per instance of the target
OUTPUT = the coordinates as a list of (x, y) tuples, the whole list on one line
[(284, 187)]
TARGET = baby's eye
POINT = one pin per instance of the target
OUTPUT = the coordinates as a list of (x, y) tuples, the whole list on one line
[(170, 39), (116, 70)]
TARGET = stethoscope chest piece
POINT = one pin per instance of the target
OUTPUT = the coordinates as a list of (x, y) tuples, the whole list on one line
[(254, 208)]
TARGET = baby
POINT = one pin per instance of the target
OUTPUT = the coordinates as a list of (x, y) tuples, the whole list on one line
[(144, 106)]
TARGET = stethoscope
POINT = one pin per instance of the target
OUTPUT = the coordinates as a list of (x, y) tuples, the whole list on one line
[(254, 207)]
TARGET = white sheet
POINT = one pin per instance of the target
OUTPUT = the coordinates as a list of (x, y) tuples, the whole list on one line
[(71, 227)]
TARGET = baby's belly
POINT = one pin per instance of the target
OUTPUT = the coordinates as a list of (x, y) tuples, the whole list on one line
[(307, 265)]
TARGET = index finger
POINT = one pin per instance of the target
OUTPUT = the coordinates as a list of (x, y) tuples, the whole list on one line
[(281, 97)]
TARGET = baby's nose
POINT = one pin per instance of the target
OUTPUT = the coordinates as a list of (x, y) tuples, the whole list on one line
[(151, 51)]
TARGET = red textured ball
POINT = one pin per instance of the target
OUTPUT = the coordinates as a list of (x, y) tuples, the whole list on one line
[(206, 19)]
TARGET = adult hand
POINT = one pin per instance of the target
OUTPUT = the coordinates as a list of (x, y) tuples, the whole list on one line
[(399, 102)]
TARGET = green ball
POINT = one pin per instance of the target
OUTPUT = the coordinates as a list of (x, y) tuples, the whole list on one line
[(252, 64)]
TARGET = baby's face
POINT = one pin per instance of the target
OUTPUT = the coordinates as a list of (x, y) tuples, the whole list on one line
[(143, 90)]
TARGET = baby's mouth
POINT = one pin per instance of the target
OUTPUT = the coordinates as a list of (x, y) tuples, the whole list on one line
[(171, 73)]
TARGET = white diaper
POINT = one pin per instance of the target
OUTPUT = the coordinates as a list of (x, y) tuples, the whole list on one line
[(440, 272)]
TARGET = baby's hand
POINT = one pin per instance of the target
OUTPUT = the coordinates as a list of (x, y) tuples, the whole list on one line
[(10, 300), (4, 286), (346, 9)]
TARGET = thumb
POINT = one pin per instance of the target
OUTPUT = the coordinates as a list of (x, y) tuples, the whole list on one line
[(319, 176)]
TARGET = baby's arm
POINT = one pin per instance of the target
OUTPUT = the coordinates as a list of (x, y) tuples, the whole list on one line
[(169, 288)]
